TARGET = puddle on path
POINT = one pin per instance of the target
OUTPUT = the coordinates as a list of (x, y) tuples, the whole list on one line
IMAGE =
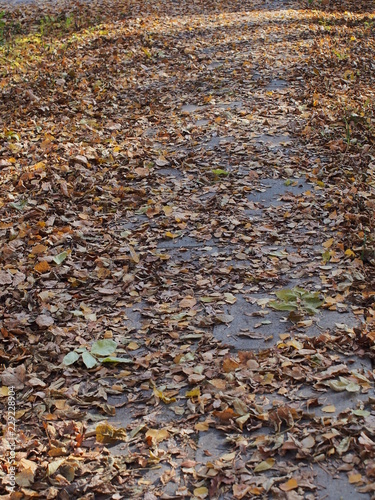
[(255, 327), (190, 108), (183, 242), (169, 171), (277, 84), (270, 190), (217, 141), (273, 141), (230, 105), (215, 65), (335, 486), (211, 446), (201, 123)]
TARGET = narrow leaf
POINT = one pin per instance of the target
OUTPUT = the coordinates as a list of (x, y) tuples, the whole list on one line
[(113, 359), (60, 257)]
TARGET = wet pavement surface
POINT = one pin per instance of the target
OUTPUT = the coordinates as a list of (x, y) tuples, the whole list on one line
[(248, 221)]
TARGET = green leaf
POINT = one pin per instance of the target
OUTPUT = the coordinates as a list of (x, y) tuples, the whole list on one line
[(352, 387), (220, 171), (20, 205), (297, 299), (313, 301), (338, 385), (361, 413), (113, 359), (310, 310), (265, 465), (103, 347), (287, 295), (60, 257), (279, 306), (89, 360), (344, 445), (70, 358), (208, 299)]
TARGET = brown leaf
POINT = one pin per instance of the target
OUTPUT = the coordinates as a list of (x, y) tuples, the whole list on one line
[(44, 320), (42, 267), (14, 377), (38, 249), (292, 484), (106, 433), (230, 365), (226, 415), (188, 302), (5, 278), (157, 435)]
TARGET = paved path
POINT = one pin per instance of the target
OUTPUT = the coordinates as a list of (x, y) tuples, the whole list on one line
[(219, 210)]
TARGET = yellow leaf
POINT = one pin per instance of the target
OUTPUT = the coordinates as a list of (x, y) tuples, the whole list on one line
[(355, 478), (328, 243), (146, 482), (295, 343), (168, 234), (57, 452), (289, 485), (349, 253), (106, 433), (146, 51), (133, 346), (201, 492), (4, 391), (163, 397), (157, 435), (265, 465), (329, 409), (284, 336), (167, 210), (133, 254), (194, 393), (268, 379), (255, 490), (201, 426)]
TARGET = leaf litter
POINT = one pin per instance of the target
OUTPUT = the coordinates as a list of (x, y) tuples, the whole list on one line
[(168, 172)]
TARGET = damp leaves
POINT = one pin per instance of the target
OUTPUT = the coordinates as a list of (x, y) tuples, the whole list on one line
[(182, 185)]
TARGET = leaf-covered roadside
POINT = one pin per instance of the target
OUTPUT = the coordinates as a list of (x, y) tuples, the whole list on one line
[(127, 234)]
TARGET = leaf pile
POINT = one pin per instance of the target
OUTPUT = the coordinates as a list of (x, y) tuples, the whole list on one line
[(169, 172)]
